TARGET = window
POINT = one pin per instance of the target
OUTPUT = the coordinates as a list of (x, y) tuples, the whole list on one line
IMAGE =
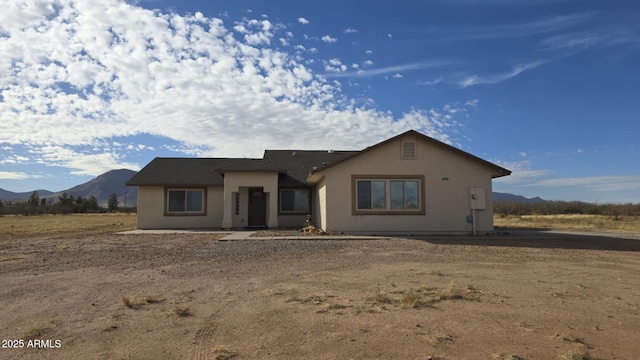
[(372, 194), (404, 194), (294, 201), (185, 201), (237, 203), (388, 195)]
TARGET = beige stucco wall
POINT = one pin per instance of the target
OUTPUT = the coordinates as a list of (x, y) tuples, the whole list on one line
[(240, 220), (320, 208), (447, 203), (234, 181), (292, 221), (151, 210)]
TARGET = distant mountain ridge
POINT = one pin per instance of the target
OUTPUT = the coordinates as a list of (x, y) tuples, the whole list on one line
[(114, 182), (111, 182), (101, 187), (498, 197), (12, 196)]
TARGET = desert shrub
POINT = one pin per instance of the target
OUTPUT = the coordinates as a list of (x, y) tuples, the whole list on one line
[(615, 211)]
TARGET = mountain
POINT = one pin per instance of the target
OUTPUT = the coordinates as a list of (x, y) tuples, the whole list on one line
[(11, 196), (101, 187), (498, 197)]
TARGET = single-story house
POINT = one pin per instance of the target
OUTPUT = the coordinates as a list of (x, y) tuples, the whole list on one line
[(408, 183)]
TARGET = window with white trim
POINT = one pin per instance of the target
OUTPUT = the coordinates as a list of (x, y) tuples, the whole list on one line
[(185, 201), (294, 201), (405, 194)]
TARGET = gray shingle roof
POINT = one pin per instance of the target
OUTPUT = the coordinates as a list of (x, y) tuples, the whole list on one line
[(299, 163), (181, 171), (293, 166)]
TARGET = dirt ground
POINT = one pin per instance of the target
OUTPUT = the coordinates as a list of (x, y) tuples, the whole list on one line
[(191, 296)]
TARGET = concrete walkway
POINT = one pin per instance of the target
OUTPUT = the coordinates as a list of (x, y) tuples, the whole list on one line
[(320, 237), (170, 231), (237, 236), (247, 235)]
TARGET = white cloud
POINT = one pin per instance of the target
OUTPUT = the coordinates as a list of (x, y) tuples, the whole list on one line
[(10, 175), (256, 32), (517, 30), (523, 175), (431, 82), (497, 78), (81, 162), (471, 103), (334, 66), (397, 76), (328, 39), (595, 183), (303, 21), (521, 172), (369, 52), (396, 69), (82, 73), (350, 31)]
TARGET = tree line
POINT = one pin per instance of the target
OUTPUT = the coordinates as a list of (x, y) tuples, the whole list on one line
[(65, 204), (565, 207)]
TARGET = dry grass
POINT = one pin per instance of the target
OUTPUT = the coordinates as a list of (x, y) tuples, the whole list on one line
[(575, 222), (131, 302), (85, 224), (578, 355), (134, 302), (423, 296), (507, 357), (153, 299), (322, 300), (182, 310), (444, 338), (222, 353), (38, 329)]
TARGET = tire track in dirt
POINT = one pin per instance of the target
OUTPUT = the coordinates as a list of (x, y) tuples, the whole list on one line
[(203, 339)]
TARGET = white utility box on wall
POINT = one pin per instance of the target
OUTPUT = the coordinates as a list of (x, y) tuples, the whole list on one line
[(477, 199)]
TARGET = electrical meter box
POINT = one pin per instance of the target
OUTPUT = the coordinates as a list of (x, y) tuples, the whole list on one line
[(477, 198)]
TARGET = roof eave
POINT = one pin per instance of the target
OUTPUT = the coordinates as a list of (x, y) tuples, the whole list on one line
[(222, 171)]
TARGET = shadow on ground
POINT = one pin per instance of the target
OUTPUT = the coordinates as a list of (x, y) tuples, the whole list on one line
[(546, 240)]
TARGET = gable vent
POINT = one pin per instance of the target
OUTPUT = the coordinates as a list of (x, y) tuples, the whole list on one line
[(409, 150)]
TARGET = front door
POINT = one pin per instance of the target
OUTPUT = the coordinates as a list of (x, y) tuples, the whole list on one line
[(257, 207)]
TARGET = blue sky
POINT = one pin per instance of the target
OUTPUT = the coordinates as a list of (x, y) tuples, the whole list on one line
[(546, 88)]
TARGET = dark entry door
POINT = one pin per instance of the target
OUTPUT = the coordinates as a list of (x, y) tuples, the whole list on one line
[(257, 207)]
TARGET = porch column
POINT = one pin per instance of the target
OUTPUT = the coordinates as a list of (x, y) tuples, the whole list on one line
[(272, 203), (227, 213)]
